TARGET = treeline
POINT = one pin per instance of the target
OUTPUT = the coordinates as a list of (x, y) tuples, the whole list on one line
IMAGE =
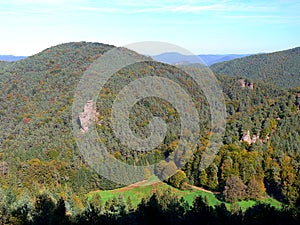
[(160, 208)]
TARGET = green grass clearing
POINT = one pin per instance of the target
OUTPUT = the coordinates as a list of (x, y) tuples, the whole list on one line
[(145, 189)]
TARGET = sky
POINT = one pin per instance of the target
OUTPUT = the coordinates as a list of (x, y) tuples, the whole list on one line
[(202, 27)]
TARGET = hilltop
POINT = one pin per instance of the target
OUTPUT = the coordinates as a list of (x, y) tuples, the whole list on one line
[(280, 68)]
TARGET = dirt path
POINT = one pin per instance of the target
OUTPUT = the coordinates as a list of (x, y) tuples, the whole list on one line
[(154, 185), (145, 182), (202, 189), (131, 186), (137, 184)]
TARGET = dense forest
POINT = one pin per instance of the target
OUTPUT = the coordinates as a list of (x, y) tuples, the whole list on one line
[(280, 68), (38, 153), (160, 207)]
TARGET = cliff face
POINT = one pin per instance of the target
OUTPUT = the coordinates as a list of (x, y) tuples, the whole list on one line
[(88, 116), (245, 84), (247, 138)]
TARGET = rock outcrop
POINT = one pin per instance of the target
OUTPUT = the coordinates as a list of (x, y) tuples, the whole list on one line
[(245, 84), (88, 116), (247, 138)]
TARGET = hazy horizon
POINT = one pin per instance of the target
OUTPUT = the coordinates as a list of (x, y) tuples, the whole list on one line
[(167, 52)]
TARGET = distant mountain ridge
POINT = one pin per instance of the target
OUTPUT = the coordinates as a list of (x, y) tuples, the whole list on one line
[(177, 58), (280, 68), (11, 58)]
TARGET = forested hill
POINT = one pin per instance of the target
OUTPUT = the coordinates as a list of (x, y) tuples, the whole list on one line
[(35, 113), (38, 150), (281, 68)]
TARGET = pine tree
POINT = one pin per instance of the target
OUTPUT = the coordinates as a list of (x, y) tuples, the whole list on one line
[(203, 178), (129, 204), (213, 177)]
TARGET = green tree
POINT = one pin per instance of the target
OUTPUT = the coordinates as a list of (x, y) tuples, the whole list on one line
[(43, 210), (212, 177), (96, 201), (59, 213), (4, 214), (129, 204), (203, 180), (178, 179)]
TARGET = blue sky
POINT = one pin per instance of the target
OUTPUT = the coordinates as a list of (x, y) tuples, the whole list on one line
[(203, 27)]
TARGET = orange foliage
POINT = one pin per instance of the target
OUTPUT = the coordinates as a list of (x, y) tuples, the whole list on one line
[(26, 120)]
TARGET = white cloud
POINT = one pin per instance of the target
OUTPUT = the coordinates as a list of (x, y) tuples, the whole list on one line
[(269, 19), (43, 2), (179, 9), (99, 9), (178, 6), (193, 8), (162, 9)]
